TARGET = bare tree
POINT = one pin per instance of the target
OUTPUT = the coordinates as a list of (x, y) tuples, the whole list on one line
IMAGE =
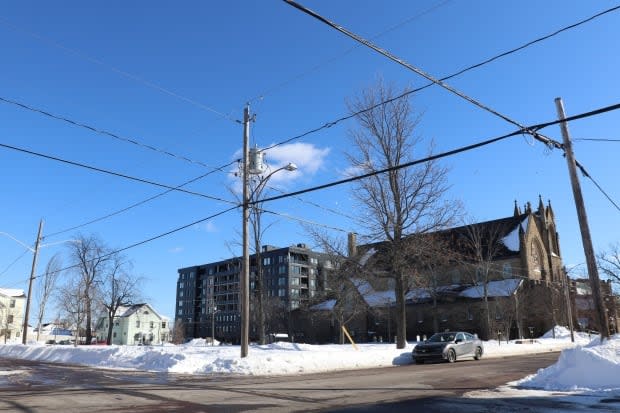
[(348, 280), (72, 303), (433, 255), (609, 263), (47, 285), (482, 245), (178, 332), (118, 288), (401, 201), (93, 259)]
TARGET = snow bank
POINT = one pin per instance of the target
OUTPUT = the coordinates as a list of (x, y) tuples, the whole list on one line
[(594, 367)]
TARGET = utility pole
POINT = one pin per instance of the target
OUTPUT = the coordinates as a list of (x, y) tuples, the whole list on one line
[(565, 284), (245, 266), (32, 271), (588, 250)]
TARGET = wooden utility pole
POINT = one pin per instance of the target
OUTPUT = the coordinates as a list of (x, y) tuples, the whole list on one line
[(245, 265), (588, 250), (35, 254)]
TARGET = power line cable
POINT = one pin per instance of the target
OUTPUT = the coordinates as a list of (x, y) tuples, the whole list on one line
[(144, 201), (108, 172), (587, 175), (416, 70), (597, 139), (101, 131), (533, 129), (314, 204), (324, 186), (8, 267), (346, 52), (489, 60), (123, 73), (136, 244)]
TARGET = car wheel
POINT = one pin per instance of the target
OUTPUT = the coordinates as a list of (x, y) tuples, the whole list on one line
[(451, 356), (478, 353)]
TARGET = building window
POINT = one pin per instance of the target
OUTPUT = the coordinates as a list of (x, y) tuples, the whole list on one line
[(137, 323), (294, 304), (12, 304), (114, 334), (282, 258), (152, 324), (294, 292), (282, 269), (267, 261), (9, 319), (294, 281), (507, 270), (314, 261), (281, 281), (163, 324), (312, 283), (281, 292)]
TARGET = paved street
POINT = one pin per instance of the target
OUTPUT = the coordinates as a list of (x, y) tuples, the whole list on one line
[(39, 387)]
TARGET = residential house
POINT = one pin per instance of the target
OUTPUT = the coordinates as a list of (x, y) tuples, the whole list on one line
[(137, 324), (585, 307), (12, 304)]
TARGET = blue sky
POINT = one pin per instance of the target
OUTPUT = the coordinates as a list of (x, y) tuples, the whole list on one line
[(177, 78)]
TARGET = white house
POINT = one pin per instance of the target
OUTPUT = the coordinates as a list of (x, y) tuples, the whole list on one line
[(12, 303), (138, 324)]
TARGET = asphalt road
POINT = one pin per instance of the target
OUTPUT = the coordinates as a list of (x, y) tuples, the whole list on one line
[(40, 387)]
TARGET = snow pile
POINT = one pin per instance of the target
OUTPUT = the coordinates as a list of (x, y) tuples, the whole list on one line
[(199, 357), (593, 367)]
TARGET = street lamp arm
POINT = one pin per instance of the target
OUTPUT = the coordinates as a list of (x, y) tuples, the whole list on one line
[(262, 181)]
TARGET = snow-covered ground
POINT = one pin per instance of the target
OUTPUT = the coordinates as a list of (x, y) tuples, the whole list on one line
[(585, 367)]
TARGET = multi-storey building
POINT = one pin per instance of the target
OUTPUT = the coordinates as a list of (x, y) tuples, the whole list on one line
[(208, 295)]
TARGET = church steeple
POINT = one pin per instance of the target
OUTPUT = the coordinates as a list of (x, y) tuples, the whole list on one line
[(517, 211)]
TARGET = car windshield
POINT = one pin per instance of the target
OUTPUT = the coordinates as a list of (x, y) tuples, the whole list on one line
[(441, 338)]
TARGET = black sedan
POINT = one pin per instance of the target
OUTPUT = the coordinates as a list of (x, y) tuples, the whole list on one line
[(449, 346)]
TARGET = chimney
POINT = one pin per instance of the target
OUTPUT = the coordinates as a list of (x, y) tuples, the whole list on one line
[(352, 244)]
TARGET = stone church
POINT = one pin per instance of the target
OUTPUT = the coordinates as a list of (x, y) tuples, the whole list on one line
[(499, 279)]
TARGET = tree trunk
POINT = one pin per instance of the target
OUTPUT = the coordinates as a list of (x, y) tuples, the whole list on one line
[(401, 314)]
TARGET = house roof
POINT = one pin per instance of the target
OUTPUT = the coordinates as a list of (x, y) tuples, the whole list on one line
[(325, 305), (11, 292), (501, 288), (126, 311)]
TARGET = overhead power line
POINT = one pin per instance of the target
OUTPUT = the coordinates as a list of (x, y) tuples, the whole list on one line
[(587, 175), (597, 139), (335, 183), (420, 72), (527, 129), (330, 124), (144, 201), (102, 131), (118, 174), (136, 244), (123, 73), (346, 52)]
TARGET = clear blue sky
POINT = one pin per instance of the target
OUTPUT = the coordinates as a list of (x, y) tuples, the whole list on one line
[(176, 77)]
